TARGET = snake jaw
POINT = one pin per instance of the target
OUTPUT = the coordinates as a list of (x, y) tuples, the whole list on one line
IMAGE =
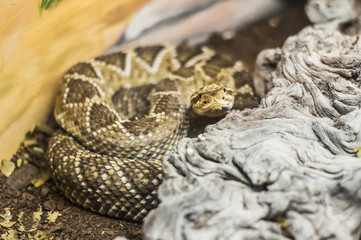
[(212, 100)]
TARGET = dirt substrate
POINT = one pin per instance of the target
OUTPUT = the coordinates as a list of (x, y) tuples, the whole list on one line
[(29, 212)]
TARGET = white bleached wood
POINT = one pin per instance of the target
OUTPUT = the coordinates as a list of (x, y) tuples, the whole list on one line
[(285, 170)]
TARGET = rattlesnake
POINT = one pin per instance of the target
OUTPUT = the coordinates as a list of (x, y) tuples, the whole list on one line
[(122, 113)]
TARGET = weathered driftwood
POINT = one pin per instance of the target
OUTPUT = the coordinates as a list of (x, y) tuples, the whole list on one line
[(164, 21), (286, 169)]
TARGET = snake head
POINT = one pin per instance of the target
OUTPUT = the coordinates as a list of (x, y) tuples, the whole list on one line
[(212, 100)]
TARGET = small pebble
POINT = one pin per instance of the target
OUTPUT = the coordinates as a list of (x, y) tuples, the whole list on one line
[(28, 196), (60, 203), (49, 205)]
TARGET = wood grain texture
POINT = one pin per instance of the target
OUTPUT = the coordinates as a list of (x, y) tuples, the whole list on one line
[(35, 51), (286, 169)]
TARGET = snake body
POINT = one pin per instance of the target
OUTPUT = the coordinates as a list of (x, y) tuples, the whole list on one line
[(122, 113)]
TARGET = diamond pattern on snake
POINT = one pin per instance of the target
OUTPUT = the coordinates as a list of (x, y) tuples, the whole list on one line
[(121, 114)]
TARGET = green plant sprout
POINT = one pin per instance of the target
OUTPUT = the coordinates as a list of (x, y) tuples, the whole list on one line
[(46, 4)]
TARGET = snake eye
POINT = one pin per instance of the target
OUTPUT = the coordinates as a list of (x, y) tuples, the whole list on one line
[(195, 98), (224, 90)]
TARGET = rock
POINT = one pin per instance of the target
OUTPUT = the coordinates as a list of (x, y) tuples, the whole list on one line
[(163, 21), (49, 205), (22, 177), (60, 203)]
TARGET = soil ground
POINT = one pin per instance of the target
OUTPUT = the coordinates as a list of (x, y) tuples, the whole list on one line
[(30, 212)]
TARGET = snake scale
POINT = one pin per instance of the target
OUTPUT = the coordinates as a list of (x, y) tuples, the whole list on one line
[(122, 113)]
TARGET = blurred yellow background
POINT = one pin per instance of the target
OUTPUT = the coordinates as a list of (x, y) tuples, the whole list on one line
[(35, 51)]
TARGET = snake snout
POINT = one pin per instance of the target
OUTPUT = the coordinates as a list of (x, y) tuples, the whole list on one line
[(212, 100)]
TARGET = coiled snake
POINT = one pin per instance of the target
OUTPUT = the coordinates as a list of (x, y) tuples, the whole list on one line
[(122, 113)]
